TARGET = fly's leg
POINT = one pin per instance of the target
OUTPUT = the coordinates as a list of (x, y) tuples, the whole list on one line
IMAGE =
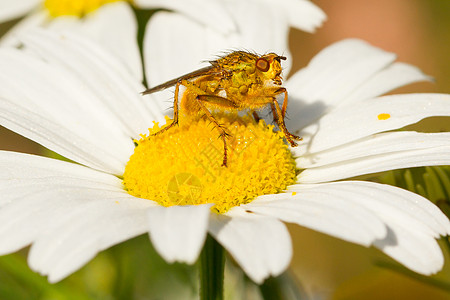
[(279, 119), (175, 111), (278, 114), (223, 102), (285, 102), (274, 114), (255, 116)]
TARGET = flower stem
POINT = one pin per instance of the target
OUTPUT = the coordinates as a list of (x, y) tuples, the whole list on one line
[(270, 289), (212, 265), (282, 287)]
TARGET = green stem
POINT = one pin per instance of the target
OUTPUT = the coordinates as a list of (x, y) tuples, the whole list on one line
[(270, 289), (282, 287), (212, 263)]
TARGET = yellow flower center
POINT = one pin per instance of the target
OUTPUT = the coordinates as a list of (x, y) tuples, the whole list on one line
[(183, 165), (77, 8)]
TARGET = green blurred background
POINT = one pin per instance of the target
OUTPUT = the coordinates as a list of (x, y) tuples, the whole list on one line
[(327, 268)]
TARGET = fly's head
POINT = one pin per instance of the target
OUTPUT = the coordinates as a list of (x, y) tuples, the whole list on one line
[(269, 68)]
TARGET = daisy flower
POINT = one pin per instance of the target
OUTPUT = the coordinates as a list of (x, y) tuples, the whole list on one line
[(74, 98)]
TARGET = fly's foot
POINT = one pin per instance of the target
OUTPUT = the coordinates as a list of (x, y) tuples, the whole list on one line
[(164, 129), (291, 137)]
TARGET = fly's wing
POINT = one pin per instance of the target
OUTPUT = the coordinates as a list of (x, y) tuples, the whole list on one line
[(209, 70)]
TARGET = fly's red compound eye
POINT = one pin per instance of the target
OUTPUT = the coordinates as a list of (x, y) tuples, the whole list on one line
[(262, 65)]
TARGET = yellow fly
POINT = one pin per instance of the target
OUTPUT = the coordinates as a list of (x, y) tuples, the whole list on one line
[(234, 82)]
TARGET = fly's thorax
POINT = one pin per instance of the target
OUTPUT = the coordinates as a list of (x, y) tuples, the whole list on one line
[(241, 81), (237, 60)]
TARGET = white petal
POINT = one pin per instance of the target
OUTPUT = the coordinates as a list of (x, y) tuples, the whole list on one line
[(33, 20), (329, 213), (415, 250), (303, 15), (77, 234), (68, 211), (13, 9), (435, 156), (120, 38), (357, 120), (210, 13), (388, 79), (258, 19), (59, 138), (262, 27), (32, 212), (101, 26), (331, 76), (34, 188), (161, 55), (19, 168), (413, 222), (260, 245), (388, 203), (164, 57), (385, 144), (101, 73), (178, 232)]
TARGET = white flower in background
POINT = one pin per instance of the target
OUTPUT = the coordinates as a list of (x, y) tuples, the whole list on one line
[(112, 23), (177, 43), (72, 97)]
